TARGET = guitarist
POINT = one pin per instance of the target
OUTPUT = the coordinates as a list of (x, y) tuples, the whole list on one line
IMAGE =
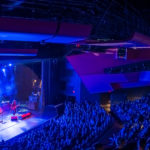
[(14, 107)]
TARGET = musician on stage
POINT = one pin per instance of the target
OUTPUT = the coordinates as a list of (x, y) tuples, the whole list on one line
[(14, 107)]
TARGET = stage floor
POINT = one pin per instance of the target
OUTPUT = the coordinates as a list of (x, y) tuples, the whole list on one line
[(10, 129)]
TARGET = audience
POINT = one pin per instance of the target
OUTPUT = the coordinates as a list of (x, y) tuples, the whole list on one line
[(78, 128), (135, 116), (82, 125)]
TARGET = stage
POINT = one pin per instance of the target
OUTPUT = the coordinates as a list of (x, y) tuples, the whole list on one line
[(10, 129)]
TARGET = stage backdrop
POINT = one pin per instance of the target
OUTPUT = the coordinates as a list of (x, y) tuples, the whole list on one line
[(25, 75)]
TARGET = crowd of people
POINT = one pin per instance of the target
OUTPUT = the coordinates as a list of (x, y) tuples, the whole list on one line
[(83, 124), (135, 116), (78, 128)]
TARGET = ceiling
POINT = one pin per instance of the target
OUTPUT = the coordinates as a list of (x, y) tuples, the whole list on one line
[(123, 17), (47, 26)]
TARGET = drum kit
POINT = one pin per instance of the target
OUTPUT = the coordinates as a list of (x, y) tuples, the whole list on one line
[(18, 111), (3, 109)]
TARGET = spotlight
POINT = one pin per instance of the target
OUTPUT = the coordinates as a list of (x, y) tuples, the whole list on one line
[(4, 70), (9, 65)]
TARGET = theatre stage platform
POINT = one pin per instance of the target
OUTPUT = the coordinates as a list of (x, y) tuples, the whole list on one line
[(10, 129)]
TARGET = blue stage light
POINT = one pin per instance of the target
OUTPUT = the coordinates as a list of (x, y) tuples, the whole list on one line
[(9, 65), (3, 69)]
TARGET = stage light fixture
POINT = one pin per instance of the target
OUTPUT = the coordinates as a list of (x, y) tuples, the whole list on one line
[(9, 65), (3, 69)]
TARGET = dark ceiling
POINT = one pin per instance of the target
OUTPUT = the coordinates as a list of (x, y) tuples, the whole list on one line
[(123, 17), (143, 7), (111, 19)]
